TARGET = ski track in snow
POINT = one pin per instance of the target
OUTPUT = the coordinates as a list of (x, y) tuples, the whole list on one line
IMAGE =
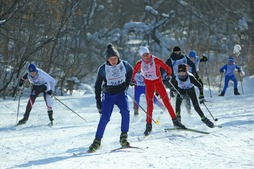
[(36, 145)]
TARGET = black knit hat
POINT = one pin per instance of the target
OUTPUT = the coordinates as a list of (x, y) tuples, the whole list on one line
[(176, 48), (111, 51), (182, 68)]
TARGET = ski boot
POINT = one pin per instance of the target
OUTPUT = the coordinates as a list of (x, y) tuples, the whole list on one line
[(222, 94), (23, 121), (135, 112), (123, 140), (177, 124), (94, 146), (207, 122), (148, 129), (236, 91), (51, 117), (178, 116)]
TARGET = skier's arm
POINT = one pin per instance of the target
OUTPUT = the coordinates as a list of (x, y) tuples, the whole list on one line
[(192, 65), (204, 59), (238, 69), (129, 73), (23, 79), (98, 88), (164, 66), (197, 84), (169, 63), (136, 69)]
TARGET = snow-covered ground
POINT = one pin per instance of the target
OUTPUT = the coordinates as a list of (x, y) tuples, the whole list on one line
[(36, 145)]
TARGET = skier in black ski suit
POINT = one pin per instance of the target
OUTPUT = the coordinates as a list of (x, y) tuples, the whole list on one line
[(184, 83)]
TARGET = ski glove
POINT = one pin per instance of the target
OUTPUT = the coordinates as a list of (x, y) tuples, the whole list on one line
[(50, 92), (132, 83), (201, 99), (168, 77), (172, 93), (21, 82)]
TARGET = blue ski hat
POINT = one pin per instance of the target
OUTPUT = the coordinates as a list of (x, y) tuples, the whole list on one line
[(230, 59), (32, 68), (192, 54)]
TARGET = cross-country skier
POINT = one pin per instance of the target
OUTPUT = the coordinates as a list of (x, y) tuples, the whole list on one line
[(150, 69), (185, 82), (113, 79), (229, 70), (41, 83)]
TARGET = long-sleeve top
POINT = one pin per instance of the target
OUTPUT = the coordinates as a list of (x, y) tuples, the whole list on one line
[(112, 79), (41, 78)]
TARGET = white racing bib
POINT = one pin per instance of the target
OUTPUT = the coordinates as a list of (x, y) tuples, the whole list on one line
[(184, 84), (149, 70), (115, 75)]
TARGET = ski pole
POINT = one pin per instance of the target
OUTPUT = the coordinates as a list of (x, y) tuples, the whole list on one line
[(208, 81), (220, 82), (69, 108), (215, 119), (21, 92), (176, 90), (156, 122), (241, 82)]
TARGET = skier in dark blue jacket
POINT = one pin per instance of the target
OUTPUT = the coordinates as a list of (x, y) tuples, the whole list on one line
[(229, 69), (113, 79)]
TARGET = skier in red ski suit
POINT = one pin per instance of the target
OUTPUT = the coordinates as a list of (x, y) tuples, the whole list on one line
[(150, 68)]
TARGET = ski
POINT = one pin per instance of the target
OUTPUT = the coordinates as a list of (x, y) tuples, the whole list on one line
[(188, 129), (127, 147), (141, 138), (111, 151), (84, 153)]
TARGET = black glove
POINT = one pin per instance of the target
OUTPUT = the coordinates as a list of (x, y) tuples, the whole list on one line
[(21, 82), (132, 83), (50, 92), (201, 99), (172, 93), (168, 77), (98, 105)]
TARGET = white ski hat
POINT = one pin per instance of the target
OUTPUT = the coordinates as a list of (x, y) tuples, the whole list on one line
[(143, 50), (237, 49)]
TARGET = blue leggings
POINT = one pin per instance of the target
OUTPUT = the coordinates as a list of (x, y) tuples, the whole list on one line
[(108, 102), (227, 78)]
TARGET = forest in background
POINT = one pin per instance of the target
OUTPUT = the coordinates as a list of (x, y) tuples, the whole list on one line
[(68, 38)]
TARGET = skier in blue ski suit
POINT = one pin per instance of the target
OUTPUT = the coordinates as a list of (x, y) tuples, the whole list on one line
[(229, 69), (113, 79)]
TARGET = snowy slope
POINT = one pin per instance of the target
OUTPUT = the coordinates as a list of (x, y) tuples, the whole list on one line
[(36, 145)]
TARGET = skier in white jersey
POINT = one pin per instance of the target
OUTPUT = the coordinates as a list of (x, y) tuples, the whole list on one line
[(41, 83)]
